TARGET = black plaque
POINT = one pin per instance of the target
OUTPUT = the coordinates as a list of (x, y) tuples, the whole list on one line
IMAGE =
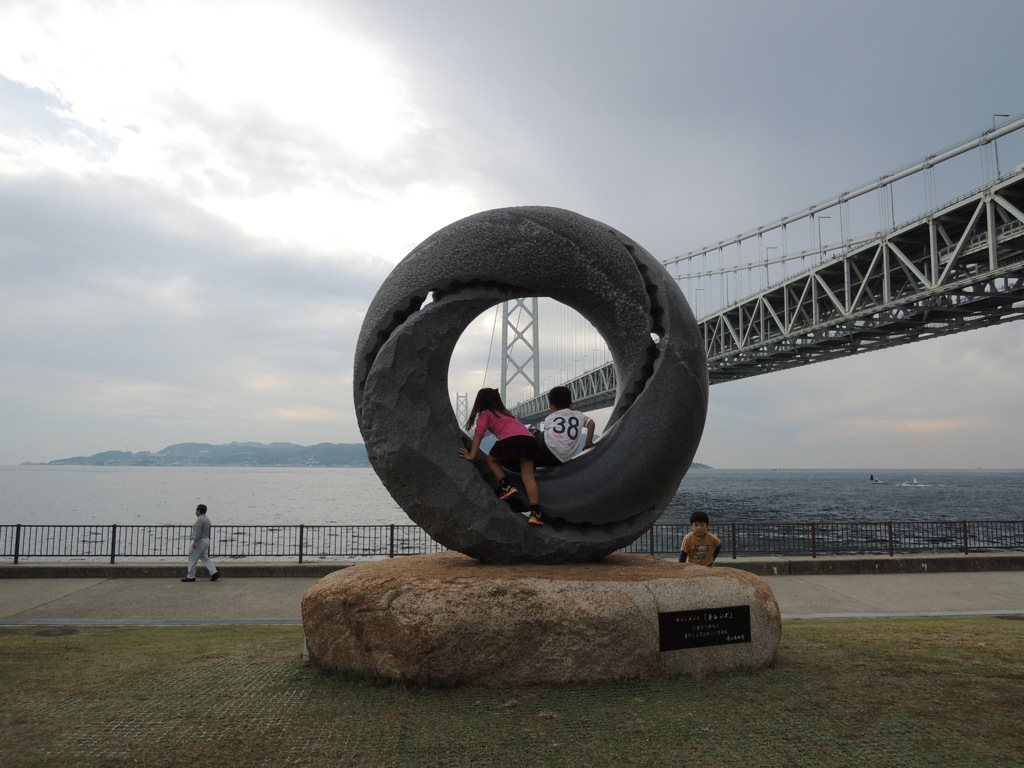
[(708, 626)]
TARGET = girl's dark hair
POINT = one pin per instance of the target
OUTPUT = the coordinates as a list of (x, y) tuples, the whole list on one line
[(487, 399), (699, 517)]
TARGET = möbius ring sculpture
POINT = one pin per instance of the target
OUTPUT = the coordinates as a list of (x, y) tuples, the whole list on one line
[(600, 501)]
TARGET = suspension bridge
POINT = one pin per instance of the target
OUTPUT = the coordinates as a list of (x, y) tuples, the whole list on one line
[(782, 295)]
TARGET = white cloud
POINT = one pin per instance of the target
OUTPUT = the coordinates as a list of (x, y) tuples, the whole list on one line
[(945, 403), (282, 121), (199, 199)]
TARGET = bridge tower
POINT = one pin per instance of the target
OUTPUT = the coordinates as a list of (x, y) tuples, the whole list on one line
[(519, 345), (461, 407)]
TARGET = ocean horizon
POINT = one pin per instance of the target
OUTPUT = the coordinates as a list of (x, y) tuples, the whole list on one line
[(89, 495)]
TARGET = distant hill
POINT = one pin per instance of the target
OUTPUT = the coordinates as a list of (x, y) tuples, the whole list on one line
[(240, 455), (232, 455)]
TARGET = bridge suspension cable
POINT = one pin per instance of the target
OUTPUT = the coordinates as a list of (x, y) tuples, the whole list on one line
[(720, 274), (791, 293)]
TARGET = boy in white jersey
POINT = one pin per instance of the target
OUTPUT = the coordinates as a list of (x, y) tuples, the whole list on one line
[(562, 430)]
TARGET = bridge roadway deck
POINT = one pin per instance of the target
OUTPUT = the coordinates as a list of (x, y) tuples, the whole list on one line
[(957, 268), (270, 593)]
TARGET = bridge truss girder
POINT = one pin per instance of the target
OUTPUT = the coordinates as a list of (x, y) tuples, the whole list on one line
[(957, 269), (594, 389)]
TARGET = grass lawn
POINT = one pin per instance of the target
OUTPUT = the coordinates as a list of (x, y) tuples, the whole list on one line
[(852, 692)]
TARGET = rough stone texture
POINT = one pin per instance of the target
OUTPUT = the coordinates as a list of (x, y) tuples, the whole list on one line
[(601, 501), (450, 620)]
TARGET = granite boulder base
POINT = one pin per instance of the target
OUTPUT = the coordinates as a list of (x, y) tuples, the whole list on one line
[(448, 619)]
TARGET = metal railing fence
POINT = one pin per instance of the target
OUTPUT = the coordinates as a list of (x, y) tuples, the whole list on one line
[(303, 542)]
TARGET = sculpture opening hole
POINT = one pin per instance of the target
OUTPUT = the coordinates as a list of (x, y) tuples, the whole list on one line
[(533, 344)]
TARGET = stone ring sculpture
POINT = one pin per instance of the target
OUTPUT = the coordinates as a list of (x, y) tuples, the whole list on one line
[(600, 501)]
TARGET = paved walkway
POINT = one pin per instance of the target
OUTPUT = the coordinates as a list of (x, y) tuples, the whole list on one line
[(38, 597)]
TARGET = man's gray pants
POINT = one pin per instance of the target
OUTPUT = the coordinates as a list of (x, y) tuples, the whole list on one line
[(201, 551)]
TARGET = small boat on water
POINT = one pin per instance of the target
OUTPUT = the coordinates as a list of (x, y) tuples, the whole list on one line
[(878, 481), (910, 483)]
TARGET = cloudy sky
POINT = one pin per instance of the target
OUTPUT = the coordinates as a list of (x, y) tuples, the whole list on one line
[(199, 199)]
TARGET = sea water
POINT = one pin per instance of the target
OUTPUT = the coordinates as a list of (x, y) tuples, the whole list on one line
[(75, 495), (804, 496)]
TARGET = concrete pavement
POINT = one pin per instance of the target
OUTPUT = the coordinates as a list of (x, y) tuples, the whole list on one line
[(254, 593), (243, 600)]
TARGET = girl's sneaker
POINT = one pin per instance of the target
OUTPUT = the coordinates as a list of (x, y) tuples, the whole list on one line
[(535, 518), (507, 491)]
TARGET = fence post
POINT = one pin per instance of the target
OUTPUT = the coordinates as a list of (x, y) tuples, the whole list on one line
[(113, 542), (17, 543), (650, 534), (967, 547), (733, 541), (391, 543), (892, 551), (814, 539), (302, 533)]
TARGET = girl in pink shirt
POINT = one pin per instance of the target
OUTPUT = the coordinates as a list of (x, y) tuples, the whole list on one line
[(515, 441)]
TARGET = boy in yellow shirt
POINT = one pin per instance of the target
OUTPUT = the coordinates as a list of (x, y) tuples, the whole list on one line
[(700, 547)]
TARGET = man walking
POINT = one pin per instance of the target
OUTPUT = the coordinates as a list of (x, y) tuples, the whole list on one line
[(201, 546)]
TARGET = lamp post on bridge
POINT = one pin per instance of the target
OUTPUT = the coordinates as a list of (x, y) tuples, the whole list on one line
[(821, 245), (995, 143), (767, 259)]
